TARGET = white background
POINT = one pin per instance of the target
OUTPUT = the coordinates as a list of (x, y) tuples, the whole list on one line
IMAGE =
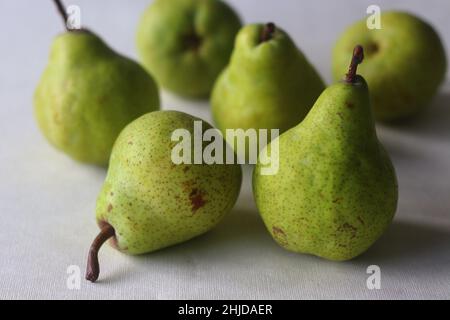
[(47, 200)]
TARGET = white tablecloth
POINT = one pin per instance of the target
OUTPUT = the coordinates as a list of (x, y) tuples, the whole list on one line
[(47, 200)]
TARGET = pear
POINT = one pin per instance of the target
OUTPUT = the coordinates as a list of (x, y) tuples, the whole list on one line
[(335, 192), (405, 63), (88, 93), (147, 201), (186, 43), (269, 83)]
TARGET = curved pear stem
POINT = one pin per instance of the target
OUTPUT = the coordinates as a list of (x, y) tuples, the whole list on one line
[(357, 58), (62, 12), (267, 32), (93, 268)]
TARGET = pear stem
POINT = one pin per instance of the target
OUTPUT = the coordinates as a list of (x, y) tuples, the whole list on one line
[(93, 268), (357, 58), (267, 32), (62, 12)]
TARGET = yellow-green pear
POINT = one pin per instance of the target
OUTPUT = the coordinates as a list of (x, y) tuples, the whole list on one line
[(88, 93), (150, 200), (268, 84), (405, 63), (335, 192), (186, 43)]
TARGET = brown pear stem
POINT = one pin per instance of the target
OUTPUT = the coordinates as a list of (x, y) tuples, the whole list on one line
[(267, 32), (62, 12), (357, 58), (93, 268)]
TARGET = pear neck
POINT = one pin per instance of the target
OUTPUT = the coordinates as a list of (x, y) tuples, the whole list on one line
[(79, 45), (343, 114)]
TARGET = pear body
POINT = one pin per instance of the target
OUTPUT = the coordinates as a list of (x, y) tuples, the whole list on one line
[(267, 85), (153, 203), (335, 191), (87, 94), (186, 43), (405, 62)]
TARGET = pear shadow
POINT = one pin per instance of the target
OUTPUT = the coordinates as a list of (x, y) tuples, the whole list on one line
[(400, 138), (399, 151), (191, 99), (240, 227), (237, 229), (406, 243), (168, 98), (432, 122)]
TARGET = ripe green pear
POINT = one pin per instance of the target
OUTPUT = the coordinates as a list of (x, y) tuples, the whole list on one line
[(147, 202), (405, 63), (335, 192), (186, 43), (87, 94), (269, 83)]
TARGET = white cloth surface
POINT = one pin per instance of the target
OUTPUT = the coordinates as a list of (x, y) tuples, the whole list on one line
[(47, 200)]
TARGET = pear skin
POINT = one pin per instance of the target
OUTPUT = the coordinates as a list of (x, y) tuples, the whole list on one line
[(268, 84), (88, 93), (152, 203), (405, 63), (336, 190), (185, 44)]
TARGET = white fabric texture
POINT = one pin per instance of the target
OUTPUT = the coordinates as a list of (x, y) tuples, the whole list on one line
[(47, 200)]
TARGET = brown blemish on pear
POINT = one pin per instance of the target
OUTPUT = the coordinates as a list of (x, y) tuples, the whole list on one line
[(197, 200)]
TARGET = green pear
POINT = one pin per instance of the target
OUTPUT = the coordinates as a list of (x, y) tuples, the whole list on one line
[(269, 83), (88, 93), (186, 43), (147, 201), (405, 63), (335, 192)]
